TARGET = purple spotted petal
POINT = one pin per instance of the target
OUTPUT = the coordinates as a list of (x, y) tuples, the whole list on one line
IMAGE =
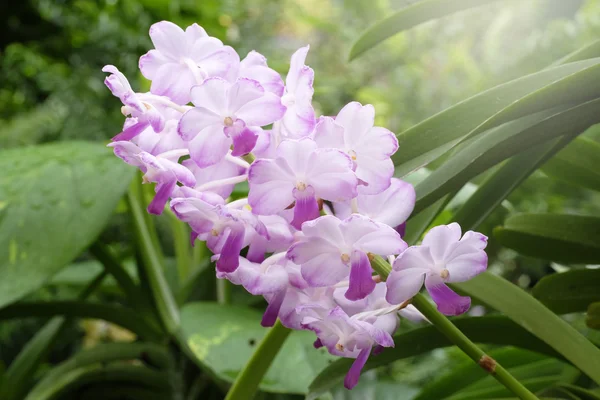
[(361, 282)]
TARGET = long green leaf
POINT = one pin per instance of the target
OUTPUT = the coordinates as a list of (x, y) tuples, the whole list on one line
[(507, 178), (582, 393), (481, 152), (548, 368), (557, 237), (533, 384), (20, 372), (589, 51), (467, 373), (532, 315), (110, 374), (577, 164), (570, 291), (102, 354), (490, 329), (434, 136), (119, 315), (408, 17)]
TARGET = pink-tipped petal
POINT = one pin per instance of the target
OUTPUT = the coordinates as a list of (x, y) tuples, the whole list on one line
[(163, 192), (243, 142), (130, 132), (230, 252), (353, 374), (306, 208), (447, 301), (270, 315)]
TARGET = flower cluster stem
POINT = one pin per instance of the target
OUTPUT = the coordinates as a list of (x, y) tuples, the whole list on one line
[(449, 330)]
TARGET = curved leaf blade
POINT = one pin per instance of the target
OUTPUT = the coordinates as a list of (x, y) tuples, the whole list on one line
[(481, 152), (577, 164), (571, 291), (64, 190), (557, 237), (490, 329), (537, 319), (591, 50), (407, 18), (507, 178), (432, 137), (468, 373)]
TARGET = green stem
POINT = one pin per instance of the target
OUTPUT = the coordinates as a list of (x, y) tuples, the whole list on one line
[(445, 326), (163, 297), (223, 291), (181, 242), (116, 269), (246, 384)]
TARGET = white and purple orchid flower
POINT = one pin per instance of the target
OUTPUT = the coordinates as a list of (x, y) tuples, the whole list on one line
[(313, 270), (332, 250), (298, 177), (444, 257), (182, 59), (370, 147), (227, 114)]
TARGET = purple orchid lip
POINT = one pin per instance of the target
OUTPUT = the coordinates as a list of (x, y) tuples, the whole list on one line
[(311, 261)]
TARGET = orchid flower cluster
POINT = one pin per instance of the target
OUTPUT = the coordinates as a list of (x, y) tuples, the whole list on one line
[(322, 199)]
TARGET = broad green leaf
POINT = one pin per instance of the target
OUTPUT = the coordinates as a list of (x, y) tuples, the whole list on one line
[(570, 291), (434, 136), (577, 164), (532, 315), (490, 329), (408, 17), (223, 338), (592, 319), (557, 237), (54, 200), (468, 372), (484, 151)]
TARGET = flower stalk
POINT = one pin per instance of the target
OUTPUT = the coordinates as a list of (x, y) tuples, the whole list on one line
[(445, 326)]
